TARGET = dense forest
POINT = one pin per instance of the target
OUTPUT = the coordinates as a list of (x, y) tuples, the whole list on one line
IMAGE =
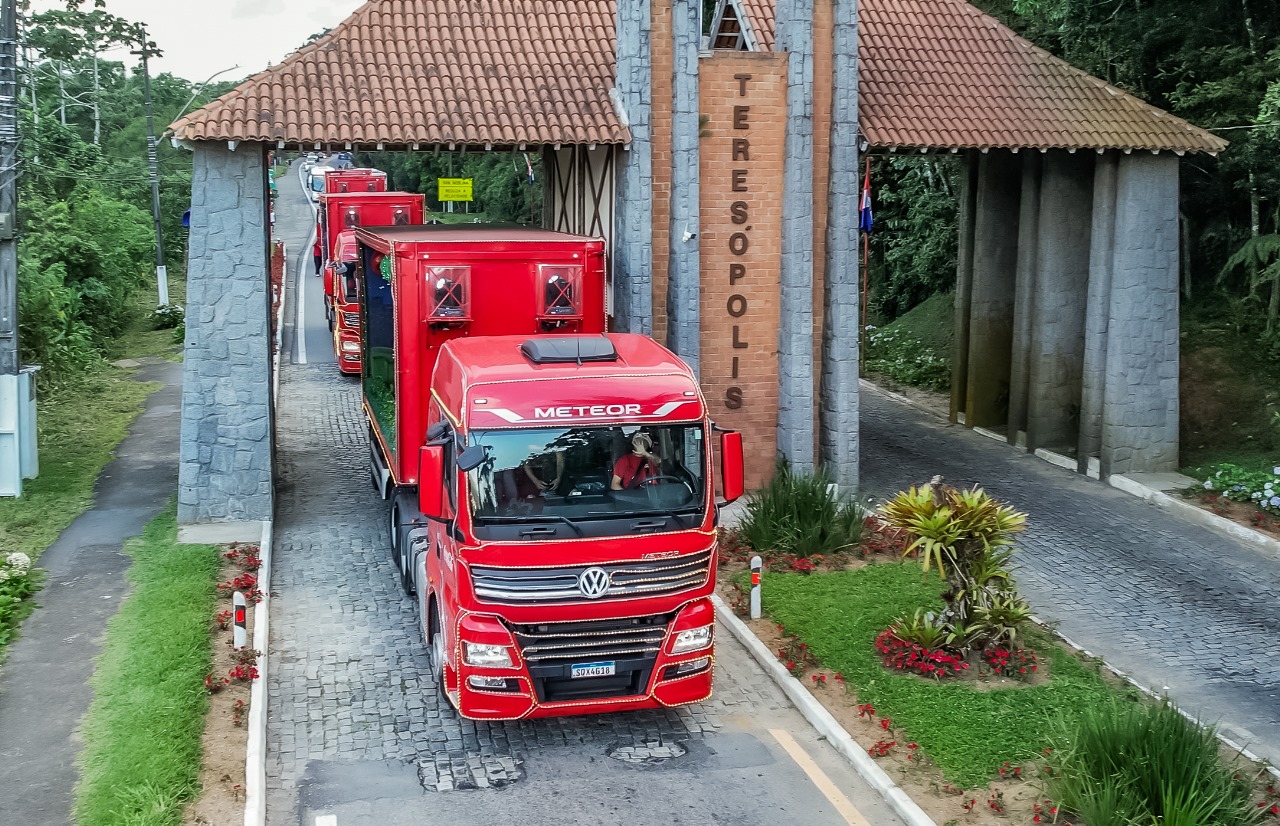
[(87, 244), (87, 240), (1215, 63)]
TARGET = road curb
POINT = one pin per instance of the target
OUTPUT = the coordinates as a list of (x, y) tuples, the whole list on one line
[(1193, 514), (821, 719), (255, 770)]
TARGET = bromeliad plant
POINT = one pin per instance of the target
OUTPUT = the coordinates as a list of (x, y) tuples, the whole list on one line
[(967, 537)]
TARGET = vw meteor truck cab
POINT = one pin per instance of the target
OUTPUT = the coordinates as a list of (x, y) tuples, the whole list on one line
[(552, 491)]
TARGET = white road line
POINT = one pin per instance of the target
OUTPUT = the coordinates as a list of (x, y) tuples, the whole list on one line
[(299, 325), (825, 785), (326, 820)]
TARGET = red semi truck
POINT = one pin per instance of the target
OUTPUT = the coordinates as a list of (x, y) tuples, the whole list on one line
[(552, 488), (337, 214), (360, 179)]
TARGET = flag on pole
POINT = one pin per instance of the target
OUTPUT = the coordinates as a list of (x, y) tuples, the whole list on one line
[(528, 167), (864, 206)]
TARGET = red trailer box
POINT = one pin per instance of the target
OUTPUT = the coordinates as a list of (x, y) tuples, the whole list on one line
[(337, 212), (552, 487), (360, 179), (342, 293)]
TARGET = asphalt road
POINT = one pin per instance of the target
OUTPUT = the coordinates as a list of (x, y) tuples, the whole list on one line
[(295, 223), (357, 733)]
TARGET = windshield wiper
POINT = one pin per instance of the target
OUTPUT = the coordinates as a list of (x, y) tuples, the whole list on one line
[(538, 517), (674, 514)]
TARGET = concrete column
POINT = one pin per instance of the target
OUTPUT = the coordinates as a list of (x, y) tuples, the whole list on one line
[(633, 220), (1024, 286), (1097, 309), (224, 475), (1140, 409), (995, 261), (838, 412), (795, 330), (684, 268), (965, 219), (1057, 302)]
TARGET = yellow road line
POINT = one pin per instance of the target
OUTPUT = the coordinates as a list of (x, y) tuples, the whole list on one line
[(829, 790)]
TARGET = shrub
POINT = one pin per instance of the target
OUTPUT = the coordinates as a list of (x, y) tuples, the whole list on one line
[(1256, 487), (16, 584), (1122, 762), (167, 316), (796, 514), (900, 655), (968, 537), (904, 358)]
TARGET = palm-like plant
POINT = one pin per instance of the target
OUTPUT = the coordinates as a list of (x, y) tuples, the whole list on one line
[(968, 537)]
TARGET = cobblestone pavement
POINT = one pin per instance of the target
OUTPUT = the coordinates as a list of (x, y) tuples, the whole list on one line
[(1176, 606), (356, 725)]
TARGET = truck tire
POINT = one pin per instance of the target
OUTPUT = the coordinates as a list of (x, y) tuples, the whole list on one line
[(435, 652)]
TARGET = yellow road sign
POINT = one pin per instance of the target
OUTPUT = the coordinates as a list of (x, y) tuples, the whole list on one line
[(453, 189)]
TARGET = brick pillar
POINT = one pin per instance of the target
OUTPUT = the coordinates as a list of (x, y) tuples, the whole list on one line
[(741, 162), (224, 475)]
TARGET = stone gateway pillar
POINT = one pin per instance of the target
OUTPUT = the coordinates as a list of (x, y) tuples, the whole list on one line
[(224, 475)]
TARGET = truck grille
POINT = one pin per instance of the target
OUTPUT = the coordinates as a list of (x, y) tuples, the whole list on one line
[(515, 586), (550, 650), (351, 320)]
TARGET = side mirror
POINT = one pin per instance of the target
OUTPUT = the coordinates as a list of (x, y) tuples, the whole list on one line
[(471, 458), (431, 481), (731, 472)]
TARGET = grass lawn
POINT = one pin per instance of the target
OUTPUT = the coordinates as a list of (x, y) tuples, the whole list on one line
[(81, 420), (968, 733), (141, 759)]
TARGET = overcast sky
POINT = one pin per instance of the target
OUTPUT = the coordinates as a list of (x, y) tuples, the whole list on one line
[(199, 38)]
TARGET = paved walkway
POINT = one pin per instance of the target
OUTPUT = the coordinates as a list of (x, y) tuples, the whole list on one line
[(44, 684), (1178, 607)]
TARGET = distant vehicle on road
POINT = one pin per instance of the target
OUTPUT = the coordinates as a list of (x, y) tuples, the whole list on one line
[(315, 180)]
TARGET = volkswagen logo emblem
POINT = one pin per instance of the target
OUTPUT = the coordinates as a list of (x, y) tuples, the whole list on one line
[(593, 582)]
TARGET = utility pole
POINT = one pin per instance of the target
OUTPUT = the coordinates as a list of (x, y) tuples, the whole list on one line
[(8, 188), (18, 459), (148, 50)]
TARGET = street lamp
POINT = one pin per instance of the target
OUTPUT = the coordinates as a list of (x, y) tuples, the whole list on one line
[(149, 50)]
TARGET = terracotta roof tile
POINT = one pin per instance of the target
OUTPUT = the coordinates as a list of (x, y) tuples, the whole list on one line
[(940, 74), (434, 71)]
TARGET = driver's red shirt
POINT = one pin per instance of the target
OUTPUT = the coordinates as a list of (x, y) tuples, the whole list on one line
[(631, 472)]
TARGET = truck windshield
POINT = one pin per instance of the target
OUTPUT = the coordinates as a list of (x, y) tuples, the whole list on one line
[(582, 474)]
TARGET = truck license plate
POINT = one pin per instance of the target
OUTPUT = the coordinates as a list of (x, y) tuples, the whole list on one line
[(591, 670)]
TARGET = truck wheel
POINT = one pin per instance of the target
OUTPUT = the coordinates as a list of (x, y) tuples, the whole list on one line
[(435, 651)]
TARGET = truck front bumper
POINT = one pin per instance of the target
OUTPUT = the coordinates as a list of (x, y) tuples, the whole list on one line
[(564, 668)]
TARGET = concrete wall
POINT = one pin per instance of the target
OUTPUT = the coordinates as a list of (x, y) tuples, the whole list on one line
[(838, 397), (1140, 412), (634, 218), (1057, 302), (796, 390), (995, 258), (224, 476)]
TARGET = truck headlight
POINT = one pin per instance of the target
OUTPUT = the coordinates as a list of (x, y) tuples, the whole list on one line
[(487, 656), (350, 346), (692, 640)]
